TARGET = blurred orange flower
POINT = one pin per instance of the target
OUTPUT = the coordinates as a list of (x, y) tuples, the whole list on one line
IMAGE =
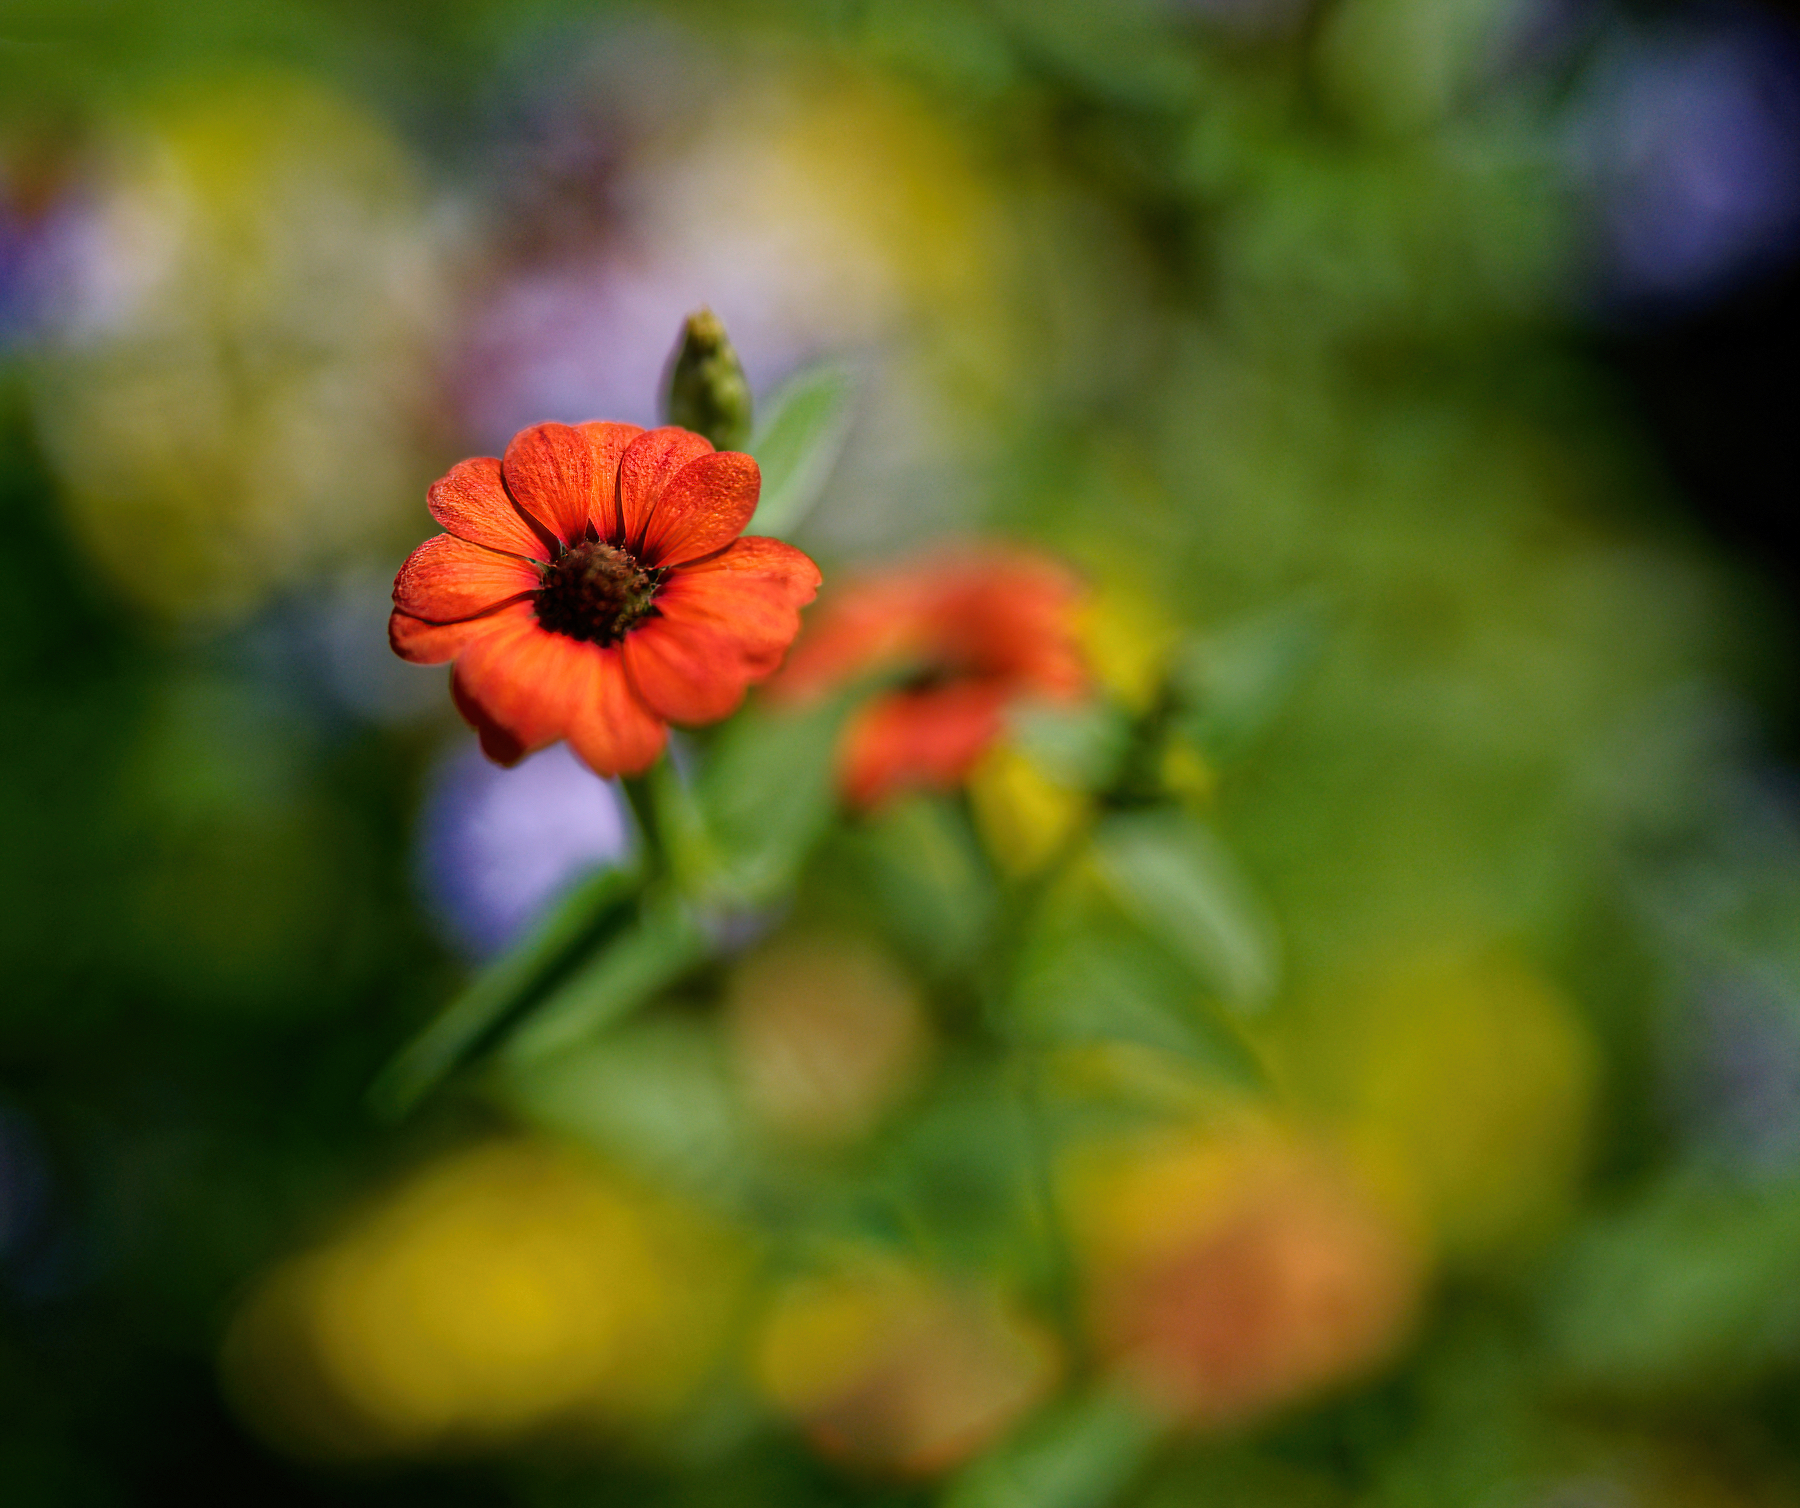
[(890, 1369), (1231, 1275), (592, 586), (973, 632)]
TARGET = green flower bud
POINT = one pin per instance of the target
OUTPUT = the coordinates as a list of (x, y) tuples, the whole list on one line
[(708, 392)]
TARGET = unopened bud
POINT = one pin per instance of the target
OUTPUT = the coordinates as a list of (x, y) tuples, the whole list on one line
[(708, 392)]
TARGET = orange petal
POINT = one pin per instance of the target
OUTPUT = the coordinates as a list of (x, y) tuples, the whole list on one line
[(525, 682), (448, 579), (433, 643), (550, 472), (649, 464), (614, 732), (924, 739), (704, 507), (722, 624), (607, 440), (470, 501), (770, 568), (499, 745)]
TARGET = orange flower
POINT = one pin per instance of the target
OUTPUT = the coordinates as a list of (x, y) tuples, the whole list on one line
[(592, 586), (977, 632)]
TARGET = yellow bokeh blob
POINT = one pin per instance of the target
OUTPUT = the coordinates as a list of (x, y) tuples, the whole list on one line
[(1470, 1076), (505, 1290), (237, 394)]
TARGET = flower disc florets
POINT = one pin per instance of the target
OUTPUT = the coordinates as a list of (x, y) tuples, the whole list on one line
[(596, 593)]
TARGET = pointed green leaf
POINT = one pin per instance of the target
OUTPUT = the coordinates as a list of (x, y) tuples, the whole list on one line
[(766, 796), (1175, 878), (645, 958), (588, 914), (1233, 684), (798, 443)]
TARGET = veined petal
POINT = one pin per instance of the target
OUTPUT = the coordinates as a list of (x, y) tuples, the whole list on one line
[(648, 465), (768, 567), (722, 624), (448, 579), (433, 643), (702, 509), (526, 682), (550, 472), (471, 502), (614, 733), (607, 440)]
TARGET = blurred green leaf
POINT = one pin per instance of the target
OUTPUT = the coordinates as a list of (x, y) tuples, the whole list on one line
[(797, 444), (1233, 685), (1083, 1454), (1083, 982), (932, 890), (1694, 1287), (963, 1174), (654, 1095), (1178, 880), (766, 796), (1082, 746), (661, 945), (590, 912)]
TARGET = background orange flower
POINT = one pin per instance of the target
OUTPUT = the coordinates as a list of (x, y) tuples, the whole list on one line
[(970, 633)]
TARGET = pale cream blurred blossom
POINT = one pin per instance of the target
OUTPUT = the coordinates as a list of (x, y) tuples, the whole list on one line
[(826, 1035), (238, 385)]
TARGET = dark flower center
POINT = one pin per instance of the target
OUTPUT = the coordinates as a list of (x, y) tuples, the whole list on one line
[(596, 593)]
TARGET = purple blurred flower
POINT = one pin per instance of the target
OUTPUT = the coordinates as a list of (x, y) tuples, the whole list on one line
[(496, 846), (1689, 140)]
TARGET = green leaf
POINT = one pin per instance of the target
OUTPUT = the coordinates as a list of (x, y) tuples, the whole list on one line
[(797, 444), (1235, 683), (766, 796), (1086, 1453), (642, 960), (1083, 982), (1691, 1288), (592, 911), (1083, 746), (654, 1095), (1174, 877), (933, 891)]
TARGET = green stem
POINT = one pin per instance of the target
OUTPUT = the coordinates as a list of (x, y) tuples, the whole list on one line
[(640, 792)]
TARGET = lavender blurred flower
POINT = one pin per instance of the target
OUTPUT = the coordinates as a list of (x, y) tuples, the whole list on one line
[(1689, 140), (496, 846)]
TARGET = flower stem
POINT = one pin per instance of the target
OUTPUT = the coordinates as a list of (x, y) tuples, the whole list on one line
[(640, 793)]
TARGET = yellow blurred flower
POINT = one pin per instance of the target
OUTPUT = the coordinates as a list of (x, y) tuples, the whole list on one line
[(506, 1289), (236, 394), (891, 1369), (826, 1035), (1234, 1269)]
